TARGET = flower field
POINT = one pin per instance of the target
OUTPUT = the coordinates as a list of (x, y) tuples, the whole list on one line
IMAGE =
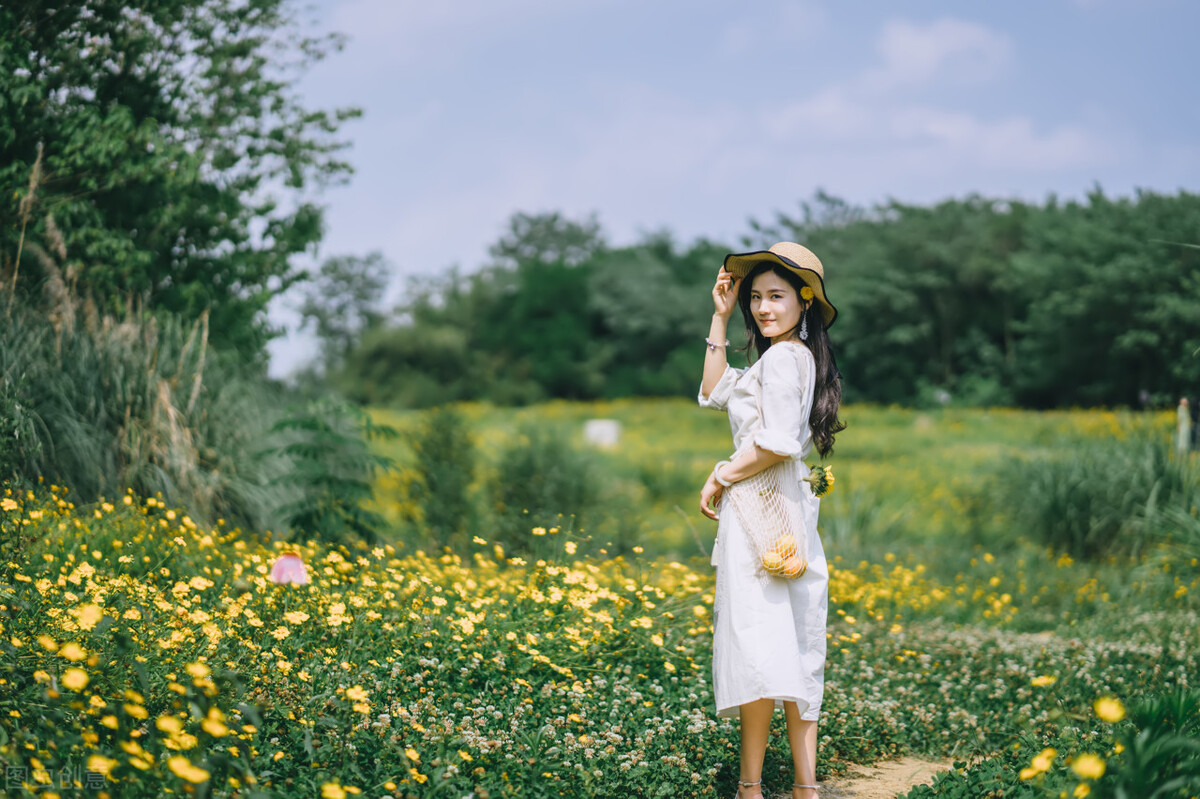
[(143, 654)]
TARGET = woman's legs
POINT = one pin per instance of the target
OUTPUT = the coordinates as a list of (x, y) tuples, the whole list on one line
[(802, 736), (755, 727)]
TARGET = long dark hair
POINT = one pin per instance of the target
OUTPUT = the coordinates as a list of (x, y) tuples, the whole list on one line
[(827, 394)]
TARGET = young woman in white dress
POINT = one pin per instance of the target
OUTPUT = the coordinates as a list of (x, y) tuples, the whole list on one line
[(769, 636)]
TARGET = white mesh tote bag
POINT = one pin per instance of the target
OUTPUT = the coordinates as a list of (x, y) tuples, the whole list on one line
[(770, 506)]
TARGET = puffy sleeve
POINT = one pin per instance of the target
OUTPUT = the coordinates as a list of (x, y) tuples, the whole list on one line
[(718, 398), (786, 399)]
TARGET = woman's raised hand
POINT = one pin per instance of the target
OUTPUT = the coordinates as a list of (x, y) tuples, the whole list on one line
[(725, 293)]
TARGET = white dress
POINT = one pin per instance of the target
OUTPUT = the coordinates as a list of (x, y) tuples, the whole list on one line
[(769, 637)]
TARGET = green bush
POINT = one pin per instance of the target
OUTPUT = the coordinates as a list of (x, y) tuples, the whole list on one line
[(541, 481), (331, 471), (446, 464)]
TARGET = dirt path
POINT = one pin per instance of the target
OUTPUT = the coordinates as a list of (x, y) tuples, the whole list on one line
[(880, 781)]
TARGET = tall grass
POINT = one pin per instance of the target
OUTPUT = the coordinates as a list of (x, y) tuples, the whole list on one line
[(103, 404), (1099, 497)]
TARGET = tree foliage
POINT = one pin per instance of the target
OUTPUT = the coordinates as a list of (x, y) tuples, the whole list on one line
[(342, 302), (975, 300), (170, 157)]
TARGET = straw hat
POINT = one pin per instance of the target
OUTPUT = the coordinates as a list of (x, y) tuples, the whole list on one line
[(795, 257)]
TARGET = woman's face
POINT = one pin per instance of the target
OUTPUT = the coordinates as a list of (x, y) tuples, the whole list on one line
[(775, 306)]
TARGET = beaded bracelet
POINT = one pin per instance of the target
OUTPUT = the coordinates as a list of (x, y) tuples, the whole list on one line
[(717, 473), (712, 345)]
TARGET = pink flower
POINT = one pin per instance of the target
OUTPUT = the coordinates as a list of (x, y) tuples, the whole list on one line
[(289, 568)]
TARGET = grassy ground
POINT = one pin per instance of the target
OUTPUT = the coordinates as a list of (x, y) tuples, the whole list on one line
[(158, 656)]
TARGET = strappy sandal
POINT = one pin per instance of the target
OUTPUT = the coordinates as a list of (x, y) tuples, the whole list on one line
[(745, 784)]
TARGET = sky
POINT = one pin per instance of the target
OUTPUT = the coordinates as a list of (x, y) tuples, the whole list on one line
[(696, 117)]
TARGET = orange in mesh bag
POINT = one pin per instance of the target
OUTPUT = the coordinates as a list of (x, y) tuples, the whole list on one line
[(770, 507)]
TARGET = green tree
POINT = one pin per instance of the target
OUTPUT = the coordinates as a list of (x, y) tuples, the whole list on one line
[(547, 238), (1116, 302), (172, 153), (342, 302)]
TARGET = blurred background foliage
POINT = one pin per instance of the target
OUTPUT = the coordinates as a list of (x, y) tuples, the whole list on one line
[(974, 301)]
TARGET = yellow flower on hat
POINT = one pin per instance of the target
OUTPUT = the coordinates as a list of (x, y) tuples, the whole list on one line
[(806, 293)]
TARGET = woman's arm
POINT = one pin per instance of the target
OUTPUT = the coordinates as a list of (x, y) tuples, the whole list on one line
[(748, 462), (785, 396), (724, 301)]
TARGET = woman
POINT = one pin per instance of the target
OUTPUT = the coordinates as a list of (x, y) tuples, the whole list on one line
[(769, 636)]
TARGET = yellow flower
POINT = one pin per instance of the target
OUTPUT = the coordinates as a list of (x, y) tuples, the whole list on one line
[(465, 756), (132, 747), (182, 767), (75, 679), (412, 754), (198, 670), (821, 480), (48, 643), (8, 504), (1042, 761), (1043, 681), (72, 651), (110, 721), (1109, 709), (1082, 790), (1029, 773), (137, 711), (356, 693), (214, 723), (100, 764), (87, 616), (1088, 766), (331, 790), (169, 724), (806, 293)]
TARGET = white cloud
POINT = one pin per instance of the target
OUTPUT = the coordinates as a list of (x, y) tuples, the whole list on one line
[(830, 113), (946, 51), (866, 115), (422, 33), (784, 24), (1008, 143)]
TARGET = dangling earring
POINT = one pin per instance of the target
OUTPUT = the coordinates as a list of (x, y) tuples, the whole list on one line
[(804, 326)]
